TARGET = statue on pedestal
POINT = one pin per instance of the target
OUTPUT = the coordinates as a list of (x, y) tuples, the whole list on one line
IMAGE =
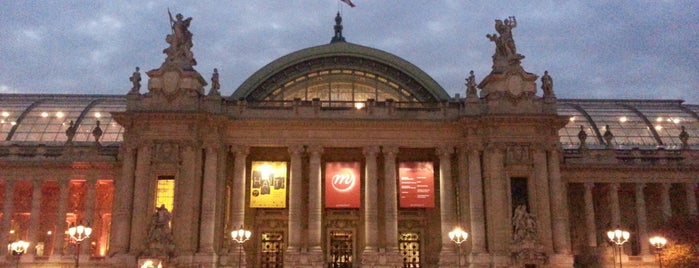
[(160, 240)]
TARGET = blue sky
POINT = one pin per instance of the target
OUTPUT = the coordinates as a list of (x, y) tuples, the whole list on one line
[(593, 49)]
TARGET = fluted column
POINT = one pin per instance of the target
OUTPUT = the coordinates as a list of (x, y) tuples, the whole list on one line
[(498, 207), (641, 218), (33, 234), (590, 215), (475, 181), (295, 199), (665, 204), (187, 195), (208, 207), (141, 206), (89, 214), (8, 207), (690, 189), (390, 199), (58, 241), (446, 197), (540, 198), (559, 205), (614, 204), (238, 191), (122, 204), (371, 219), (315, 213)]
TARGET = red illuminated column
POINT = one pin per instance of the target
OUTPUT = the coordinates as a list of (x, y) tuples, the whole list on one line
[(295, 199), (58, 242), (7, 212), (315, 208), (89, 214), (35, 211), (391, 213), (371, 228)]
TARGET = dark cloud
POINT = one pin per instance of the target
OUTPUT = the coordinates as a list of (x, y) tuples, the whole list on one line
[(594, 49)]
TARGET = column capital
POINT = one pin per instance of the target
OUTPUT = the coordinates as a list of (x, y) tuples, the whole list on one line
[(444, 150), (315, 149), (295, 149), (589, 185), (239, 149), (390, 150), (614, 186), (640, 186), (370, 150)]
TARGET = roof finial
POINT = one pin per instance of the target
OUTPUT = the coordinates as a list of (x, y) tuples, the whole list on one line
[(338, 30)]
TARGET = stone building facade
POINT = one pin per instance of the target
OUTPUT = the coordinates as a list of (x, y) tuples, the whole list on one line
[(535, 181)]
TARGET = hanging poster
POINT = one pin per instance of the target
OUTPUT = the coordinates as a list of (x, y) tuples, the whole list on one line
[(342, 185), (268, 184), (416, 183)]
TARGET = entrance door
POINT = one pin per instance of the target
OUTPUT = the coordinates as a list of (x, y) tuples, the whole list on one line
[(271, 253), (409, 244), (341, 249)]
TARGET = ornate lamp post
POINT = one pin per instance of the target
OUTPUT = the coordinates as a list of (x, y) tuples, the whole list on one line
[(458, 236), (241, 235), (77, 235), (659, 243), (18, 248), (618, 237)]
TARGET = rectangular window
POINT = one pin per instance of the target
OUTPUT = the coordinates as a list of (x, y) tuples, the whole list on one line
[(165, 192)]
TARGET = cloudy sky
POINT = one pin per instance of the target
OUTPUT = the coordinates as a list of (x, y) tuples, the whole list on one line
[(593, 48)]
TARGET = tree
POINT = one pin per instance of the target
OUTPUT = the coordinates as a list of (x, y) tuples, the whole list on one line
[(682, 233)]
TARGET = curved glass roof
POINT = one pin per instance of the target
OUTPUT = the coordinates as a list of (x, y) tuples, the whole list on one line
[(643, 124), (45, 118)]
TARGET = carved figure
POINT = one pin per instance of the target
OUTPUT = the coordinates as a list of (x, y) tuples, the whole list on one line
[(215, 85), (547, 84), (135, 81), (505, 43), (471, 85), (179, 52), (524, 225), (160, 225)]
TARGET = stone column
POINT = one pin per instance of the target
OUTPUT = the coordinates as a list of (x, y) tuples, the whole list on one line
[(590, 215), (498, 210), (85, 250), (7, 209), (371, 219), (315, 208), (209, 200), (559, 205), (446, 202), (238, 190), (295, 199), (58, 234), (122, 204), (540, 198), (614, 204), (390, 194), (187, 197), (140, 216), (689, 189), (475, 181), (641, 219), (665, 204), (34, 217)]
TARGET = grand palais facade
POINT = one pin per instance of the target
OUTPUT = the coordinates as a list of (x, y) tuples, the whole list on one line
[(341, 155)]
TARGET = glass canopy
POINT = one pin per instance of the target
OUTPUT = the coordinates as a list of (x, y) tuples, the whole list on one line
[(644, 124)]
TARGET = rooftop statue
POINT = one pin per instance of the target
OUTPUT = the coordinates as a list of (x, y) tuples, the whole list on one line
[(504, 43), (179, 52)]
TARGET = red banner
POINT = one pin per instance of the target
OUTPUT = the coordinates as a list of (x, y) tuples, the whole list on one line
[(416, 184), (342, 185)]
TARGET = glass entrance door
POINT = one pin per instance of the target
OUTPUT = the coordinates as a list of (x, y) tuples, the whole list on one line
[(271, 253), (341, 249)]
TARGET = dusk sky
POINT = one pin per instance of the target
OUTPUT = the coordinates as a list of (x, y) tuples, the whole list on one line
[(593, 49)]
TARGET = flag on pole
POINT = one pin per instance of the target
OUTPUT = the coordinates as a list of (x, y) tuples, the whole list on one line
[(348, 2)]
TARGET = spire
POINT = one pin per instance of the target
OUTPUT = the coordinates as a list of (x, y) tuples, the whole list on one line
[(338, 30)]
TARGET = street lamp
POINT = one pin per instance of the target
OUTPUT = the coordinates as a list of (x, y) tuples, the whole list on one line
[(458, 236), (77, 235), (18, 248), (659, 243), (618, 237), (241, 235)]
